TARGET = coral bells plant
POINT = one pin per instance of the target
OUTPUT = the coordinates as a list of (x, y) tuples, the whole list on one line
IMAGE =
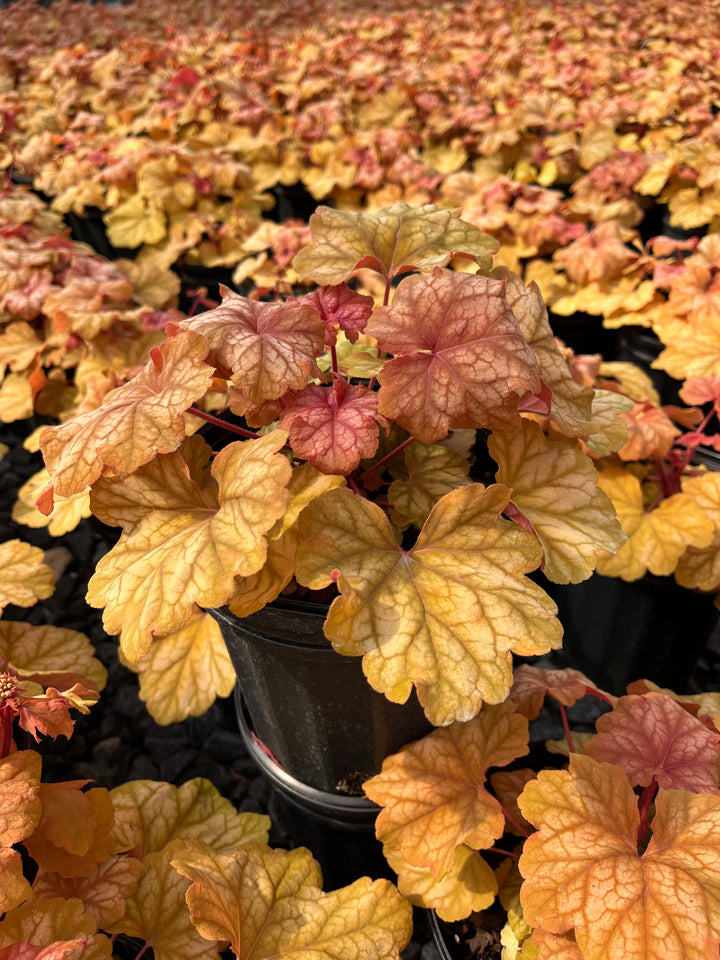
[(609, 854), (352, 427)]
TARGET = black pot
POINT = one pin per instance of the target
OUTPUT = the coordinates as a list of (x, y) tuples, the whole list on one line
[(617, 632), (193, 276), (338, 829), (310, 706), (292, 202), (642, 347), (584, 333), (90, 229)]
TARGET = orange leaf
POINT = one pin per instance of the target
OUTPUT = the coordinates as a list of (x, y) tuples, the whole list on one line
[(391, 241), (582, 869), (461, 358), (653, 737), (103, 892), (14, 888), (335, 427), (26, 577), (532, 684), (58, 950), (20, 806), (432, 792), (134, 422), (266, 348), (45, 923)]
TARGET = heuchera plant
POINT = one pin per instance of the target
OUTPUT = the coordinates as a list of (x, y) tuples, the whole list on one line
[(357, 423), (612, 857), (175, 868)]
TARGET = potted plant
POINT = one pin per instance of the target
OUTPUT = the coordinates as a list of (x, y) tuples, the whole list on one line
[(352, 476), (602, 847)]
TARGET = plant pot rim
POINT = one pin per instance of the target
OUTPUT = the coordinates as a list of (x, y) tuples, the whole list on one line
[(251, 622), (345, 807)]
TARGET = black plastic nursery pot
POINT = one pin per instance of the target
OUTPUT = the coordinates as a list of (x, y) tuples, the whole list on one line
[(90, 229), (618, 632), (311, 707), (584, 333)]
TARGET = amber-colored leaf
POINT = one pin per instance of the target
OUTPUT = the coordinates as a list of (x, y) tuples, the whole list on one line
[(554, 486), (26, 577), (652, 737), (253, 592), (103, 892), (184, 672), (582, 869), (14, 888), (427, 474), (432, 792), (656, 539), (699, 567), (134, 423), (390, 241), (552, 947), (59, 950), (532, 684), (20, 807), (50, 655), (66, 514), (333, 427), (16, 398), (45, 922), (339, 306), (468, 886), (150, 814), (184, 545), (137, 221), (74, 833), (651, 433), (157, 913), (46, 713), (443, 615), (571, 404), (460, 357), (268, 903), (265, 348)]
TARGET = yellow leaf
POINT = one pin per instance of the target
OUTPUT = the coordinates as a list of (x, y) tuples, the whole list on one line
[(66, 514), (632, 380), (268, 903), (20, 807), (183, 545), (692, 208), (43, 922), (157, 913), (150, 814), (656, 539), (432, 792), (554, 486), (137, 221), (691, 350), (183, 673), (396, 237), (429, 473), (133, 423), (47, 649), (608, 431), (445, 614), (699, 568), (26, 577), (468, 886), (16, 398)]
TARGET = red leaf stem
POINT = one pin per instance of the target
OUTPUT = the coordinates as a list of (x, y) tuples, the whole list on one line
[(222, 423), (511, 819), (385, 459)]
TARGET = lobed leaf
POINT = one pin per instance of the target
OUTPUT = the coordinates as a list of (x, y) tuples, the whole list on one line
[(392, 241), (269, 903), (554, 486), (26, 577), (133, 424), (432, 792), (651, 737), (582, 869), (103, 893), (445, 614), (266, 349), (532, 684), (460, 356), (183, 544)]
